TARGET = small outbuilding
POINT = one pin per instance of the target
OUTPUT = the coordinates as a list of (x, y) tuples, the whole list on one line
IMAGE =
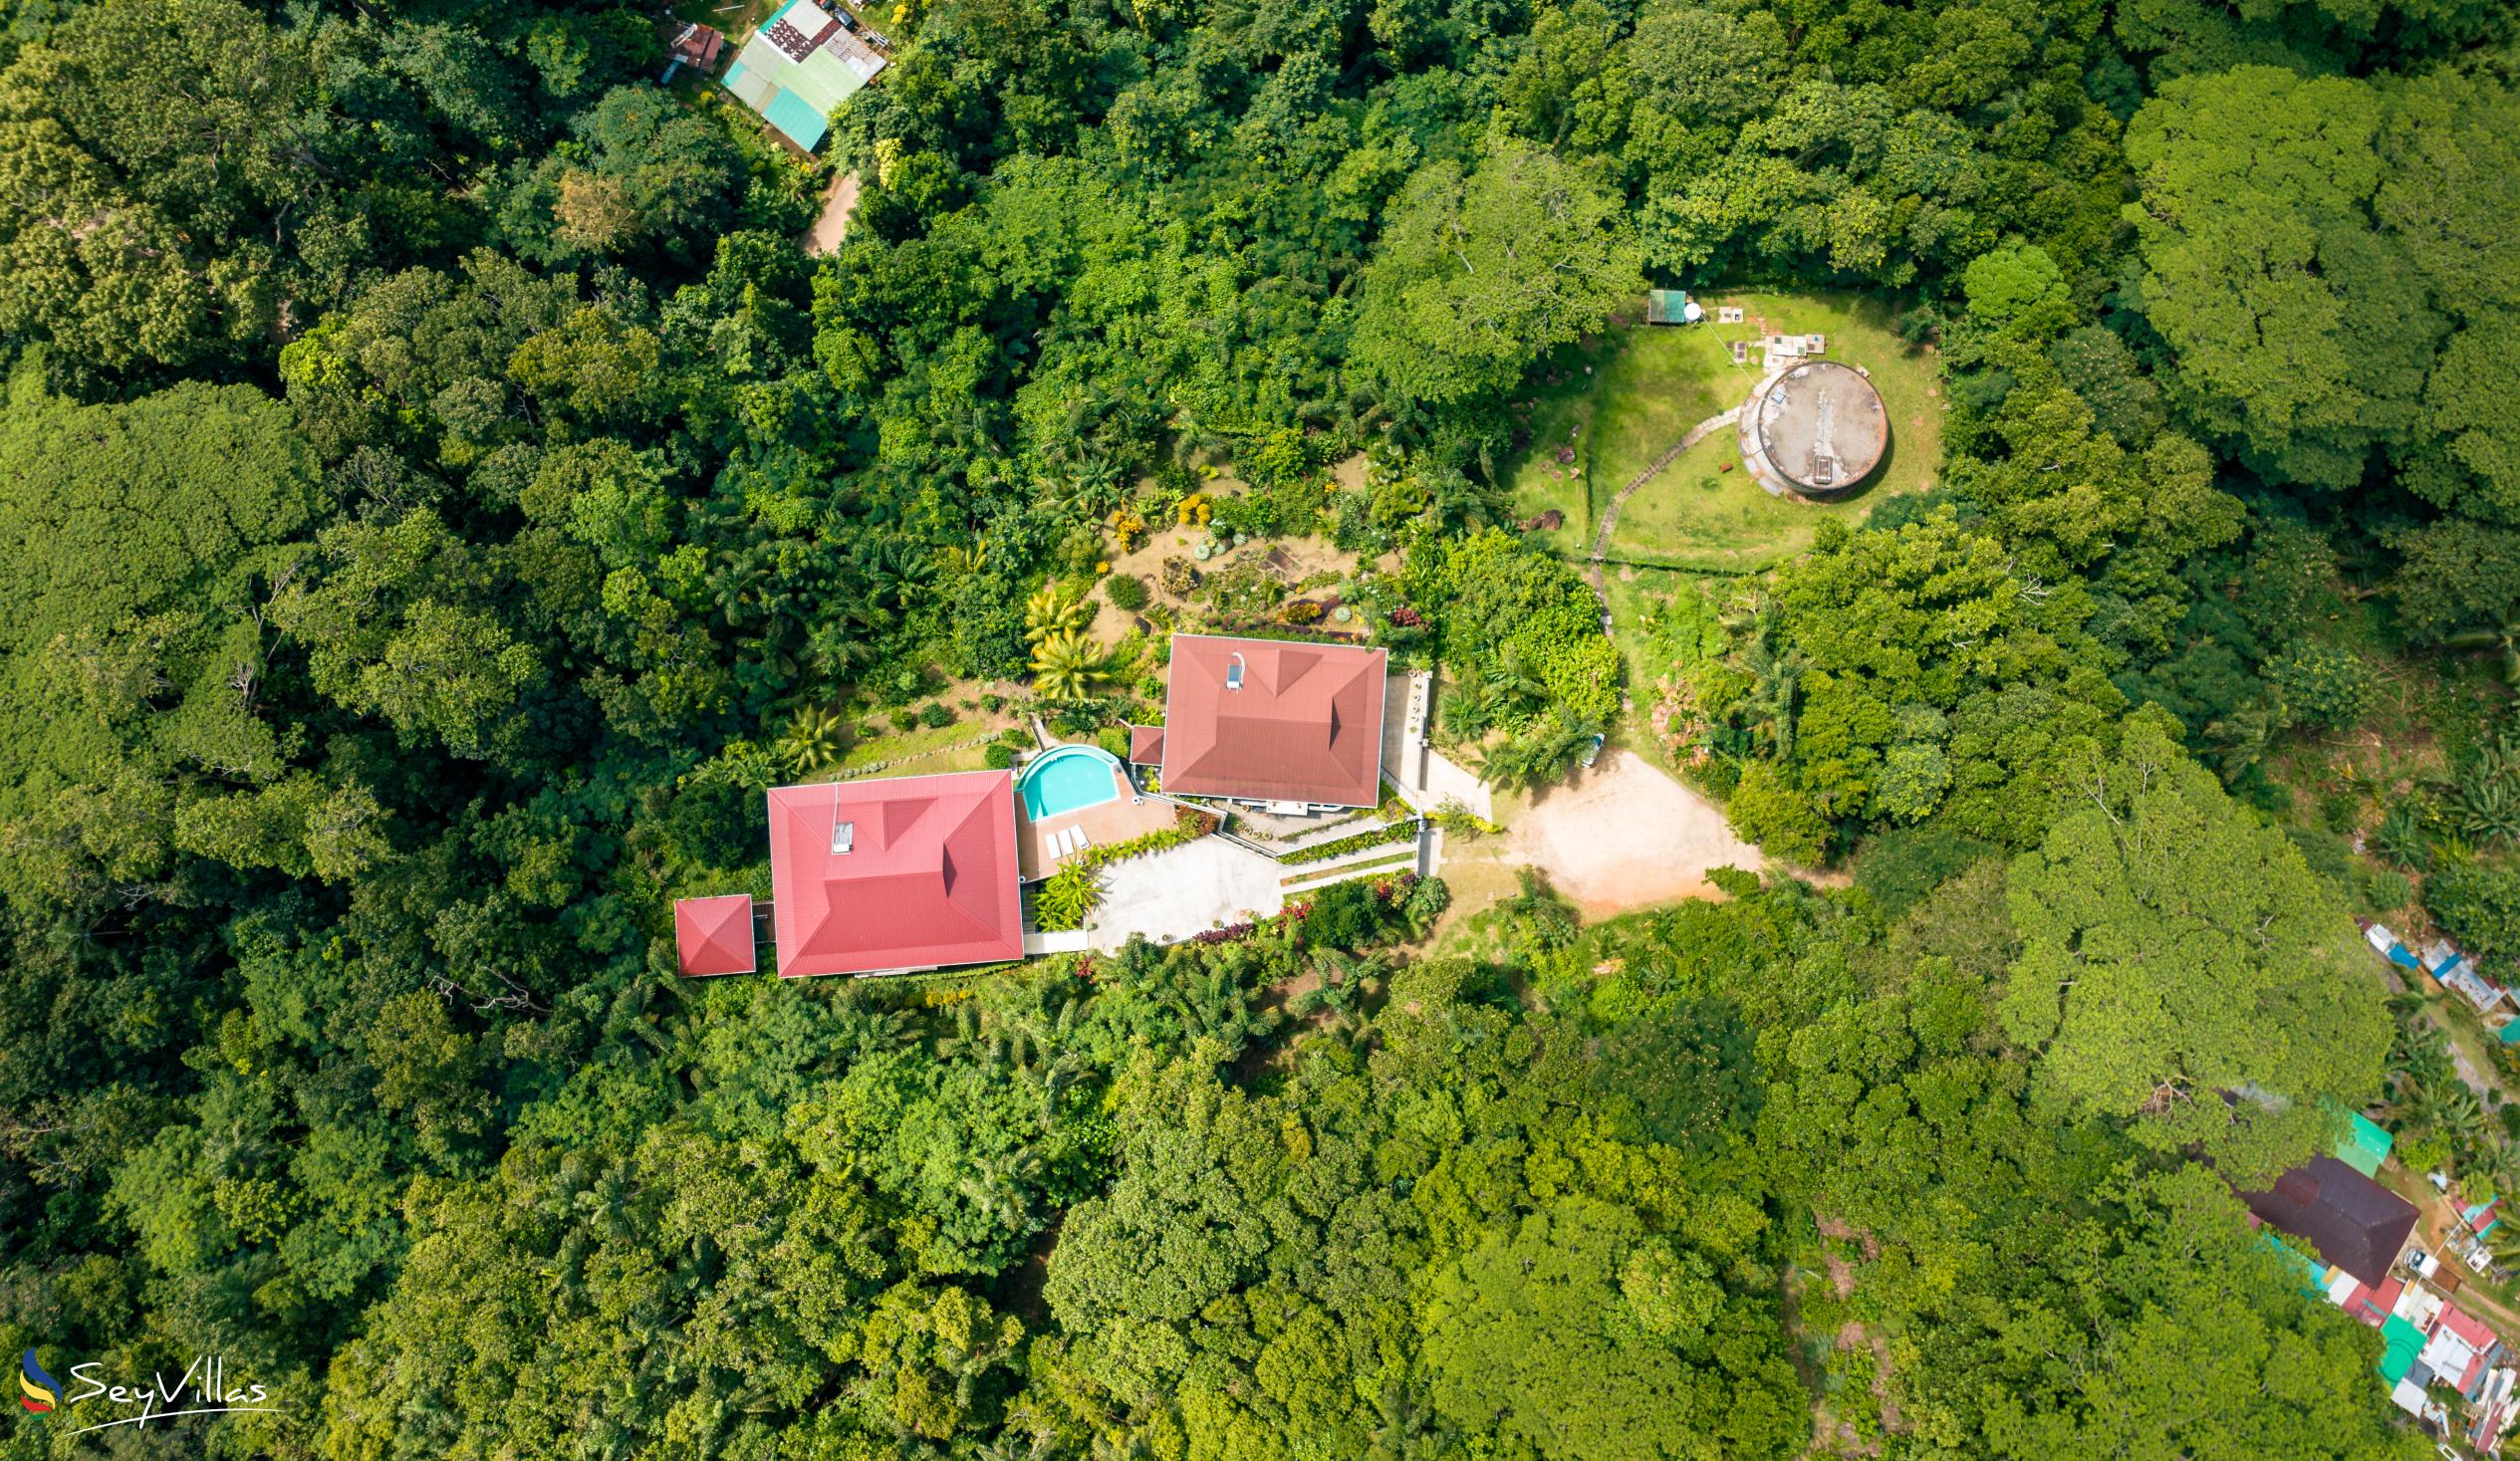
[(697, 46), (715, 935), (1672, 306)]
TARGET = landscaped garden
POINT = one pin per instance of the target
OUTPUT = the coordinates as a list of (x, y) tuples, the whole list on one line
[(1607, 411)]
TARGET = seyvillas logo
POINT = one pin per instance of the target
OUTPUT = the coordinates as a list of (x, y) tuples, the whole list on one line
[(38, 1392), (204, 1389)]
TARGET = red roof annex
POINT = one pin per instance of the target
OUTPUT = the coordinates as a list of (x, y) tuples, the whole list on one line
[(1263, 720), (714, 935), (897, 872)]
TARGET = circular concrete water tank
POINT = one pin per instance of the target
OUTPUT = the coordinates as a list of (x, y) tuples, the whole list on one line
[(1818, 426)]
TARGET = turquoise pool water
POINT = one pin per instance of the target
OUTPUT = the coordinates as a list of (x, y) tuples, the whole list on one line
[(1069, 778)]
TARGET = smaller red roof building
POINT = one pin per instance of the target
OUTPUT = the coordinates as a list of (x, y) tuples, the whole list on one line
[(2373, 1306), (895, 872), (715, 935), (697, 46), (2468, 1327), (1266, 720)]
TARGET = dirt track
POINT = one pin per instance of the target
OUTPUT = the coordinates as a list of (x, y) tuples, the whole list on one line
[(832, 224)]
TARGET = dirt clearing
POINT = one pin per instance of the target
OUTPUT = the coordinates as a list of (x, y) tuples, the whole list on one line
[(1625, 836)]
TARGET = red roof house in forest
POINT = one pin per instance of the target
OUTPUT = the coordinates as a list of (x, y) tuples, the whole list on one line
[(714, 935), (895, 872), (1265, 720), (697, 46)]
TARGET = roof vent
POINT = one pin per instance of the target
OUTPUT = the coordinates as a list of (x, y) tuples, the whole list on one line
[(1233, 673), (843, 837)]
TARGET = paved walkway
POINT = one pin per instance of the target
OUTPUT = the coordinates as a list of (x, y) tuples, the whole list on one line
[(1610, 514), (1169, 897), (1425, 779)]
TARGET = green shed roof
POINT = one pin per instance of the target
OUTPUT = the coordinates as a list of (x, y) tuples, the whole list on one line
[(2363, 1146), (1667, 305), (2400, 1343)]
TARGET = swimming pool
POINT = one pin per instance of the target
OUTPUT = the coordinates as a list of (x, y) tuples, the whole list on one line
[(1069, 778)]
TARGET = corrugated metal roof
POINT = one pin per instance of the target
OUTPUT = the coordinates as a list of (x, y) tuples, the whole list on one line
[(2363, 1146), (2353, 1222), (930, 879), (714, 935), (2400, 1343), (1305, 725)]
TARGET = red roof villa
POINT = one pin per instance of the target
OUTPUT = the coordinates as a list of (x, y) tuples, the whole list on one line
[(895, 873), (1271, 722)]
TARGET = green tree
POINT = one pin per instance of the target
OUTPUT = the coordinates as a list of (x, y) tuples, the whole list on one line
[(1067, 665), (1479, 273), (2183, 971), (1536, 1333), (2302, 332)]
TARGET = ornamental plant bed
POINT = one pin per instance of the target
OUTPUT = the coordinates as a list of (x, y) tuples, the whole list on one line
[(1397, 831)]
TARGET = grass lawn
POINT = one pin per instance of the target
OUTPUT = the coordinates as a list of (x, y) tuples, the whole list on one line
[(926, 744), (1650, 384), (1619, 404)]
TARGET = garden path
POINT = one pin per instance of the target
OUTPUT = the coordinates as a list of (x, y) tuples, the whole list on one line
[(1610, 514)]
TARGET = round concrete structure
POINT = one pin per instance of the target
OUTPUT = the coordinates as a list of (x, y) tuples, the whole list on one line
[(1816, 427)]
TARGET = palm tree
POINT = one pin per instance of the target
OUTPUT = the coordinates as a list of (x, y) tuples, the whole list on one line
[(1052, 610), (1507, 764), (994, 1186), (1065, 897), (815, 739), (1067, 667), (1775, 695), (894, 570), (1538, 906), (1462, 501), (1557, 744), (1095, 487), (1510, 681), (1469, 711)]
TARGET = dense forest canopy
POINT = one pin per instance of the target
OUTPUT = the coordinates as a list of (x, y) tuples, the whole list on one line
[(441, 492)]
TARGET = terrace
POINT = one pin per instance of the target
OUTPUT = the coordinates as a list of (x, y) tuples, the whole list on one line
[(1075, 798)]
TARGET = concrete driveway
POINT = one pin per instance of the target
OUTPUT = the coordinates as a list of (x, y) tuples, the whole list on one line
[(1170, 895)]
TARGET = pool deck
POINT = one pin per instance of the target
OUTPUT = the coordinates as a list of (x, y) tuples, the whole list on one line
[(1105, 824)]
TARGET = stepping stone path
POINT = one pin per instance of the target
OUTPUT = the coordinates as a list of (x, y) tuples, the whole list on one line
[(1610, 515)]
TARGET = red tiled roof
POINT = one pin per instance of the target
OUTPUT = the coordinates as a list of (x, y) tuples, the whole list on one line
[(1306, 726), (714, 935), (1146, 745), (930, 879)]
